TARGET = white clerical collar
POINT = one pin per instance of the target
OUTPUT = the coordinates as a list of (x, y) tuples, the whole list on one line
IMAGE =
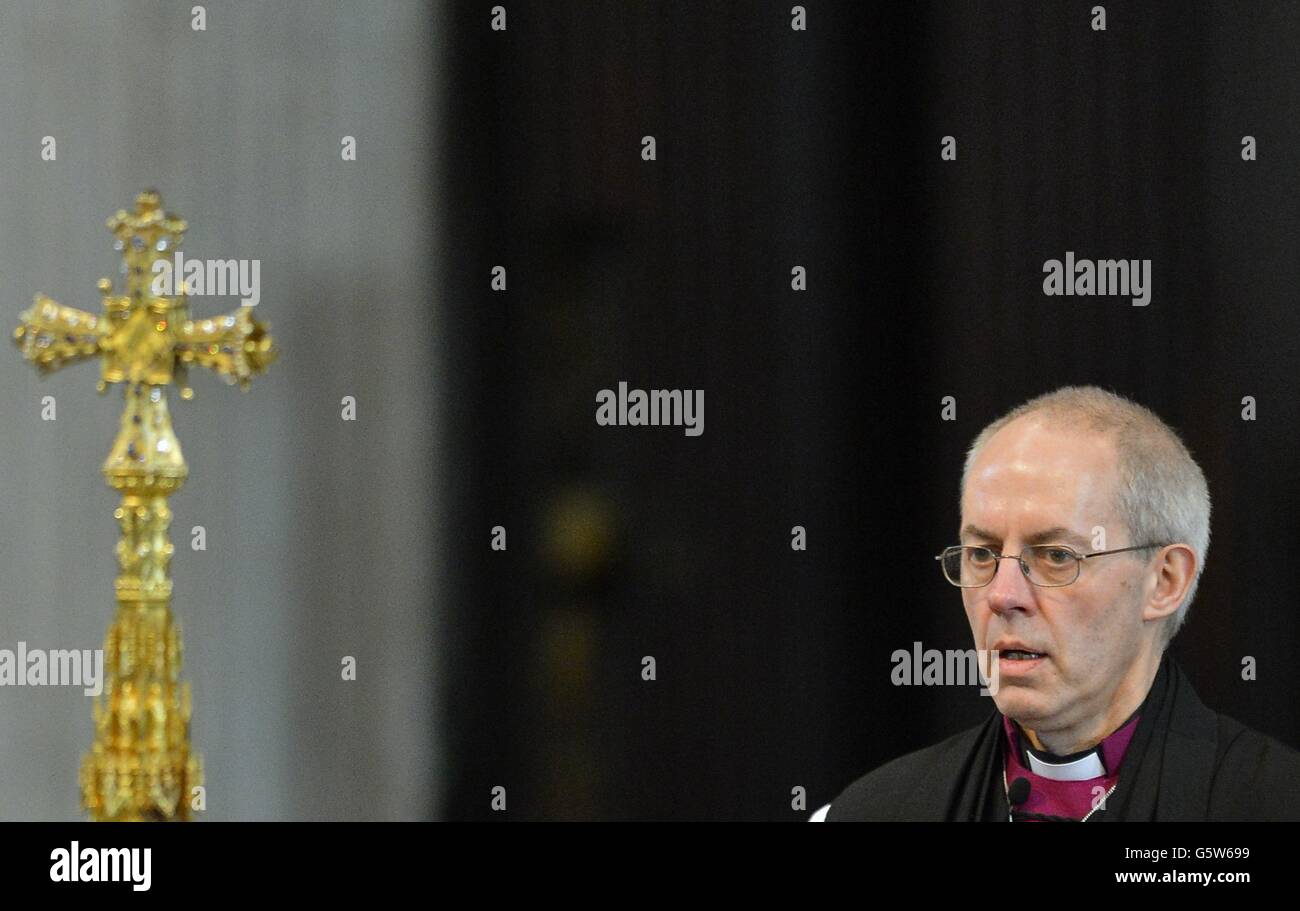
[(1077, 769), (1078, 766)]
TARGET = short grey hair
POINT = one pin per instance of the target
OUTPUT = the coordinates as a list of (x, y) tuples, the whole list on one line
[(1163, 496)]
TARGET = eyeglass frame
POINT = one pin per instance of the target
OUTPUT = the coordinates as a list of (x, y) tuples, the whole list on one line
[(1024, 568)]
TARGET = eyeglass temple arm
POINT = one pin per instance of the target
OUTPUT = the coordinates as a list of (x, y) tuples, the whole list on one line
[(1119, 550)]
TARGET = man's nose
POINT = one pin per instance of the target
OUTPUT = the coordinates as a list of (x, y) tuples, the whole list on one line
[(1010, 589)]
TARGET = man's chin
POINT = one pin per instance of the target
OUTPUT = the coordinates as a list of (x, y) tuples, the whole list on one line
[(1021, 703)]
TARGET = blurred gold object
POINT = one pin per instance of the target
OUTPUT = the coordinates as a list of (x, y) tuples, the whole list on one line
[(141, 766)]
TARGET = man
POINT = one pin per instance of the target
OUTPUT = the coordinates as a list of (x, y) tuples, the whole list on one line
[(1084, 529)]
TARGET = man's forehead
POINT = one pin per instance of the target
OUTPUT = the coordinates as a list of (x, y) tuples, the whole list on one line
[(1039, 443), (1042, 472)]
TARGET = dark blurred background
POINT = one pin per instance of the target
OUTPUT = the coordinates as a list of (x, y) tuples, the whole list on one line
[(821, 148)]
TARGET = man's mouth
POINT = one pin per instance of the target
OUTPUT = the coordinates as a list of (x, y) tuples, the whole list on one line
[(1016, 654)]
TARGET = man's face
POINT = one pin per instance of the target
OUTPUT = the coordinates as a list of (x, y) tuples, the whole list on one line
[(1039, 483)]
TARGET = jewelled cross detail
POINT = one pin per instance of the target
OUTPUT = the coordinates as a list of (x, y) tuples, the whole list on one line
[(140, 766)]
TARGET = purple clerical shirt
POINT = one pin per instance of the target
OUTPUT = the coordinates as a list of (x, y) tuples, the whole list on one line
[(1072, 799)]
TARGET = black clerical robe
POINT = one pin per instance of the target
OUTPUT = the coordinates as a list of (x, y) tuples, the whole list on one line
[(1185, 762)]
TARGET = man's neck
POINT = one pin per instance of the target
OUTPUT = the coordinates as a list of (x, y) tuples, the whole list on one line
[(1078, 738)]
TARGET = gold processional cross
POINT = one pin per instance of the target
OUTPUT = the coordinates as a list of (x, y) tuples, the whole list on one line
[(141, 766)]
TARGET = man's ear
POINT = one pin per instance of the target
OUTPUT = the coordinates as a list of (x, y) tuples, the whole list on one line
[(1175, 568)]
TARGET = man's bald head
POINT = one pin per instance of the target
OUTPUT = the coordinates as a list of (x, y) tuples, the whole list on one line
[(1161, 492)]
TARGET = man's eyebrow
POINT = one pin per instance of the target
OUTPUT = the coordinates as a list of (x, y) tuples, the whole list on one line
[(1059, 535), (1056, 535)]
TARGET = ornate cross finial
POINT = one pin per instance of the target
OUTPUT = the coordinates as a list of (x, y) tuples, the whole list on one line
[(141, 337), (141, 766)]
